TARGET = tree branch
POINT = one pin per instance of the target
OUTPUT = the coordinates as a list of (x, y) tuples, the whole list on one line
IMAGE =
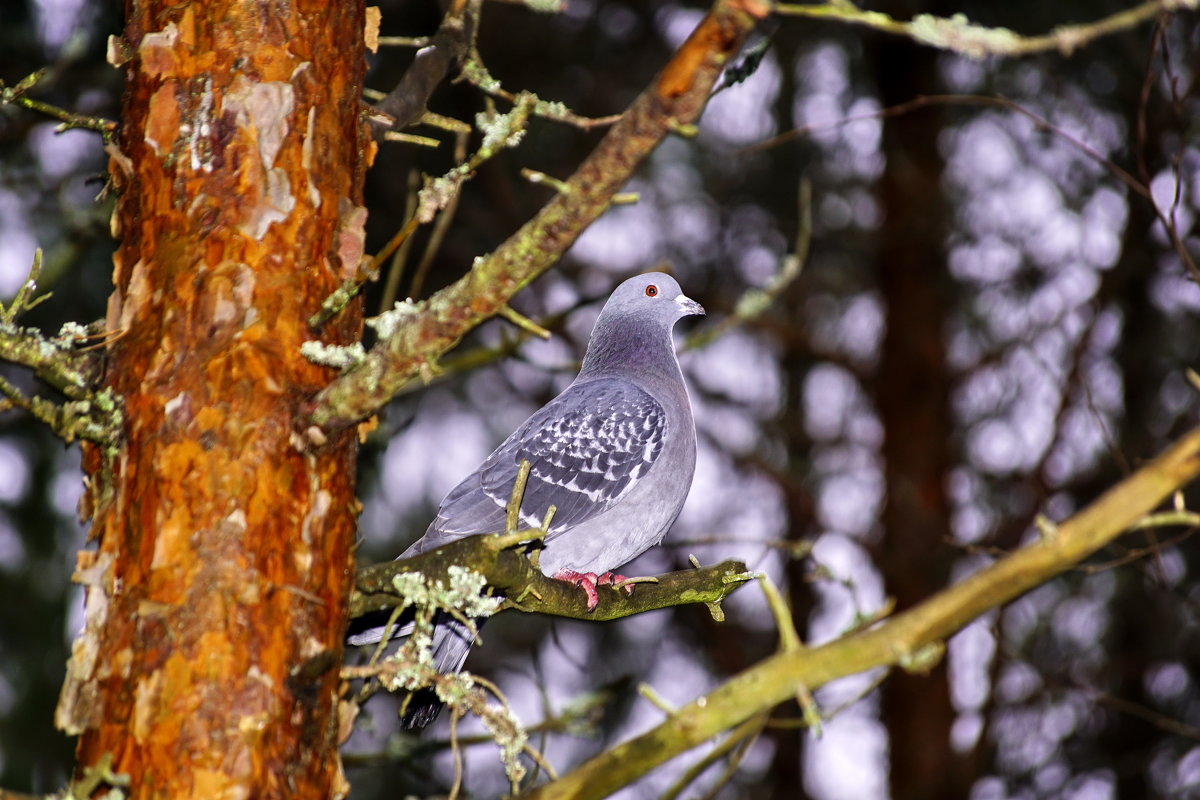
[(54, 360), (903, 641), (60, 362), (449, 46), (676, 98), (957, 34), (16, 95), (511, 572)]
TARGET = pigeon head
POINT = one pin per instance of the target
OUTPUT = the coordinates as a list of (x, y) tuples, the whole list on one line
[(650, 298), (634, 327)]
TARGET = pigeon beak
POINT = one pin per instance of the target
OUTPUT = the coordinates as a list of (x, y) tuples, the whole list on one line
[(688, 306)]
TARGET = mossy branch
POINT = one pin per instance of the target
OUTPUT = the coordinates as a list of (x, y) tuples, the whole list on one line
[(57, 360), (497, 557), (62, 363), (501, 561), (958, 34), (674, 99), (904, 640)]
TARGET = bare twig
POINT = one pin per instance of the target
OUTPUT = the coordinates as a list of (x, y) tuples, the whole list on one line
[(444, 218), (16, 95), (742, 734), (512, 512), (755, 301), (391, 286), (524, 323), (789, 642), (457, 752)]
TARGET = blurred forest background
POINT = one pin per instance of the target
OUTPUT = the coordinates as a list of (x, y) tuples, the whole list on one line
[(994, 321)]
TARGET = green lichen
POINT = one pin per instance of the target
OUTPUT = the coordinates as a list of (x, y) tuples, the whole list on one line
[(437, 192), (411, 667), (553, 109), (466, 593), (962, 36), (546, 6), (504, 130), (336, 302), (478, 75), (340, 357), (389, 322)]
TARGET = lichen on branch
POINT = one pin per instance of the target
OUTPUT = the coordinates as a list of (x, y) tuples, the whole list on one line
[(497, 556), (958, 34), (61, 362)]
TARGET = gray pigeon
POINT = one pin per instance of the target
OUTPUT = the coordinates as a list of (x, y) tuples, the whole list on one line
[(614, 453)]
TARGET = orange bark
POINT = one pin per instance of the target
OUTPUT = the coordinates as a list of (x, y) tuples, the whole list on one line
[(224, 561)]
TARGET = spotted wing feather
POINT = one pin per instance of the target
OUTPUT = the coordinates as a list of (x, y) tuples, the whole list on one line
[(587, 448)]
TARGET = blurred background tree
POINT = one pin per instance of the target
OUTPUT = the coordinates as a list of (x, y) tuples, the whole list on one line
[(995, 321)]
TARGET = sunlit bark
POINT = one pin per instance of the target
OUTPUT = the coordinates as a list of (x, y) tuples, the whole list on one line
[(224, 559)]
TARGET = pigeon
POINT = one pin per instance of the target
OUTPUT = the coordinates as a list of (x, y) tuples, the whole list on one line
[(614, 453)]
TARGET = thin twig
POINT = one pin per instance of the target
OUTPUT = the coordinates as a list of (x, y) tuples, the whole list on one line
[(442, 225), (456, 752), (512, 512), (524, 323), (17, 96), (789, 642), (743, 733), (754, 302), (391, 286)]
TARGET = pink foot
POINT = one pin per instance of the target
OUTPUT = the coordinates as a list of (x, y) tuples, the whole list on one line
[(612, 579), (588, 581)]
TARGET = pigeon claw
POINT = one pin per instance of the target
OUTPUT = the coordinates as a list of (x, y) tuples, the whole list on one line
[(588, 581), (584, 580), (613, 579)]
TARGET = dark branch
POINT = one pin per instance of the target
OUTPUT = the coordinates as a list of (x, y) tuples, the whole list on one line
[(446, 48)]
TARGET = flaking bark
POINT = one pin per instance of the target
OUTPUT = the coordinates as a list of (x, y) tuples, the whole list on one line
[(223, 555)]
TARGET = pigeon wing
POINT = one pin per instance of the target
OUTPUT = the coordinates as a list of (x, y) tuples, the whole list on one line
[(587, 448)]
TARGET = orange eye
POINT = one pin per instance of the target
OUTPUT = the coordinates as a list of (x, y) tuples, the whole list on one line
[(651, 290)]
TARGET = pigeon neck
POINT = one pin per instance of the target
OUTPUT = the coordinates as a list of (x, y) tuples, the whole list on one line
[(625, 347)]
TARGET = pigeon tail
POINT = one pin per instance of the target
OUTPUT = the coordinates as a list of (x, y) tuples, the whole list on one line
[(451, 643)]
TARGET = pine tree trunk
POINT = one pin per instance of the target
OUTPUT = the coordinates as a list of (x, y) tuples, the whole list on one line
[(216, 599), (913, 398)]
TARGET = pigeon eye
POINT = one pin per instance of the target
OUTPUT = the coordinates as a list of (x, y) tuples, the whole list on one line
[(651, 290)]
